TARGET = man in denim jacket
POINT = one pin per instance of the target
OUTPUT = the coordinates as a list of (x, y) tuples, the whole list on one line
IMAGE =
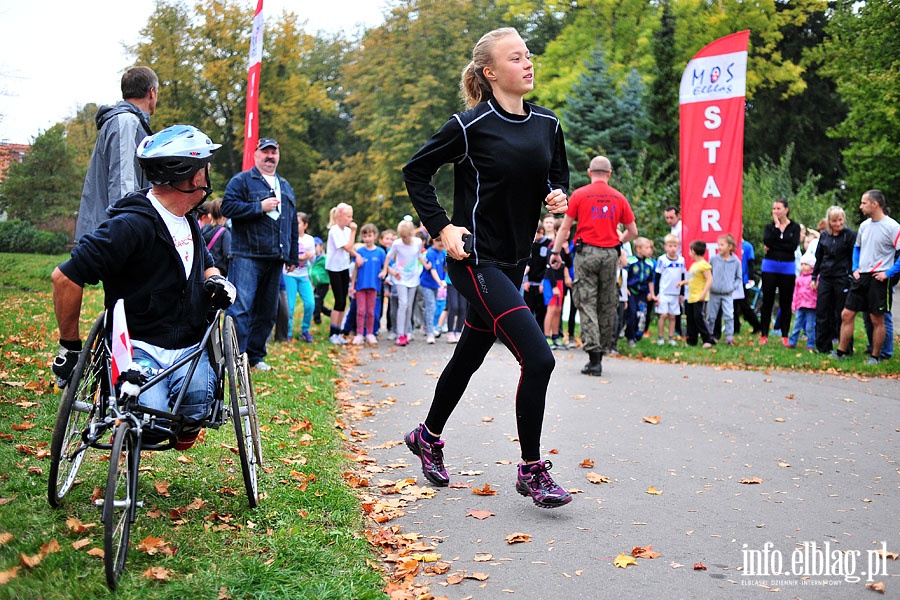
[(263, 213)]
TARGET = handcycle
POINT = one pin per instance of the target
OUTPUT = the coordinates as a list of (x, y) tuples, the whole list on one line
[(94, 409)]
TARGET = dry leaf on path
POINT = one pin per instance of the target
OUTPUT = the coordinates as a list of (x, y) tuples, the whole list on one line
[(487, 490), (517, 538), (876, 587), (586, 464), (751, 480), (699, 566), (623, 560), (653, 491), (597, 478), (481, 515), (483, 557), (645, 552), (653, 420)]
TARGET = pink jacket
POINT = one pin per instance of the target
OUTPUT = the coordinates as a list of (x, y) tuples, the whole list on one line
[(804, 295)]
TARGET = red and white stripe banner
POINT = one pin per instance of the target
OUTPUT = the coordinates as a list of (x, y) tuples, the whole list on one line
[(712, 94), (121, 349), (251, 121)]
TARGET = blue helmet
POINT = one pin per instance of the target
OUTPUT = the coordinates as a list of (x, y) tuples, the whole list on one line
[(175, 154)]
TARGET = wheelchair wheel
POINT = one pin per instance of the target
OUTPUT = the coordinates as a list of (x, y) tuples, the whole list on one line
[(243, 411), (119, 501), (80, 405)]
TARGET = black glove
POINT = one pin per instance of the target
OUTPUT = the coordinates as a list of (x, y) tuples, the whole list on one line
[(64, 363), (221, 291)]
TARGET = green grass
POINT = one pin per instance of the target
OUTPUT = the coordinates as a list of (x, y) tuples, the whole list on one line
[(748, 354), (299, 543)]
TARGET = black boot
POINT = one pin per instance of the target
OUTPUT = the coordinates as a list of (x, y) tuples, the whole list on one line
[(595, 365)]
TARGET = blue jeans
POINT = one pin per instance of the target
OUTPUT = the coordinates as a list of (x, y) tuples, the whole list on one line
[(302, 286), (804, 320), (429, 295), (257, 283), (199, 395), (887, 349)]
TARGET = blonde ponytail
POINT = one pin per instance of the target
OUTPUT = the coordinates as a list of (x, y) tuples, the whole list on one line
[(473, 86)]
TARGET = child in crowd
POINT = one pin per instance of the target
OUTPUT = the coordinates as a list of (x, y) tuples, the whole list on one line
[(622, 284), (404, 265), (430, 281), (385, 304), (699, 283), (533, 285), (318, 277), (640, 273), (670, 271), (457, 305), (297, 281), (804, 305), (554, 285), (215, 233), (366, 284), (726, 278)]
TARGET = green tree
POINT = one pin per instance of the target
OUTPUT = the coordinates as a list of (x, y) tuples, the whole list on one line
[(662, 93), (767, 181), (599, 119), (776, 119), (45, 188), (862, 55)]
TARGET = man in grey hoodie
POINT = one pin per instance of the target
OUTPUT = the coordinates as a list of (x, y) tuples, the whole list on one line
[(114, 170)]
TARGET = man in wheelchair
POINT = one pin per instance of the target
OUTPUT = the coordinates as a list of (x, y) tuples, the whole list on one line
[(151, 254)]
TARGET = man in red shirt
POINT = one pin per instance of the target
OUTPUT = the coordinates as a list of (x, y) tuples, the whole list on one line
[(599, 209)]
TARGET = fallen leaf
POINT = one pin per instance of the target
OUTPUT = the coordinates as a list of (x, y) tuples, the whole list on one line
[(483, 557), (645, 552), (876, 587), (517, 538), (79, 544), (98, 552), (6, 538), (477, 576), (623, 560), (162, 487), (487, 490), (653, 420), (586, 464), (751, 480), (481, 515), (454, 578), (597, 478), (407, 566), (885, 554), (6, 576), (554, 451), (487, 419), (23, 426), (426, 557), (699, 566), (158, 574), (653, 491)]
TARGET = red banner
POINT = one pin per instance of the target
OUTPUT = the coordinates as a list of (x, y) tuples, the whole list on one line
[(251, 121), (712, 142)]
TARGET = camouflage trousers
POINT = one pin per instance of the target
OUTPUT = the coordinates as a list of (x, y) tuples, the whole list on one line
[(596, 294)]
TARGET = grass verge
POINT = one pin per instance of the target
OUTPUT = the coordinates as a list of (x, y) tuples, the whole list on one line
[(305, 540)]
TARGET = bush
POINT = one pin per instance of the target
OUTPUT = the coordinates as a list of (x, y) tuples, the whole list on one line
[(19, 236)]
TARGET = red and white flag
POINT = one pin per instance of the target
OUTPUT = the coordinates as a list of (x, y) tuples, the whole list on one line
[(254, 66), (121, 350), (712, 94)]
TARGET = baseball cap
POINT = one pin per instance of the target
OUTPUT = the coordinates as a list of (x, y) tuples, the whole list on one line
[(266, 143), (317, 240)]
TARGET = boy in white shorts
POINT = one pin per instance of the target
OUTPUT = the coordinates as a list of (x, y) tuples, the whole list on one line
[(669, 271)]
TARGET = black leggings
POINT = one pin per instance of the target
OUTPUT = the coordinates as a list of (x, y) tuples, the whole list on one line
[(340, 287), (496, 310), (785, 286)]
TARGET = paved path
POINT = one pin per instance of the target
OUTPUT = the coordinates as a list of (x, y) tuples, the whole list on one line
[(825, 448)]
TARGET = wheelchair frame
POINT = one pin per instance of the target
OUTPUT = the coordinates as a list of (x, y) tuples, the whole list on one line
[(93, 405)]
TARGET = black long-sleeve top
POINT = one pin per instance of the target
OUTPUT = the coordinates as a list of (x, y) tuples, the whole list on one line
[(781, 246), (504, 166), (834, 254)]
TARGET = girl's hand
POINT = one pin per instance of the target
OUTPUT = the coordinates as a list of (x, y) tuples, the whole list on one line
[(451, 235), (556, 202)]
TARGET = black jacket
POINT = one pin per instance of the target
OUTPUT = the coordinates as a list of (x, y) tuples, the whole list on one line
[(134, 256), (834, 254)]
